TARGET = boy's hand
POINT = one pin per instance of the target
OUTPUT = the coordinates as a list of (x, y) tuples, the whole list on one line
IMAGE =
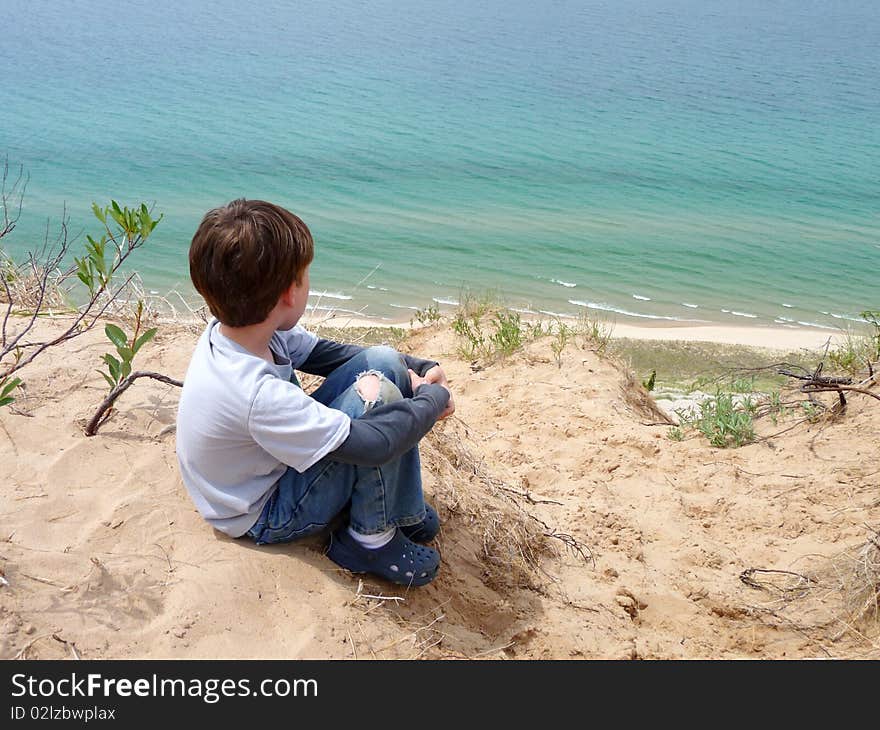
[(436, 375), (416, 379)]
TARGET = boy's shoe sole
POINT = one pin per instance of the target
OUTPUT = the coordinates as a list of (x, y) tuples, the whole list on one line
[(401, 561)]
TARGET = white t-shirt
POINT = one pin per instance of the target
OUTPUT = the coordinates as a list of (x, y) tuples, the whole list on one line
[(241, 423)]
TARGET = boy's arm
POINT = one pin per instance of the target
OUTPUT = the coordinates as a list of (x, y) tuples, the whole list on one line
[(327, 355), (386, 432)]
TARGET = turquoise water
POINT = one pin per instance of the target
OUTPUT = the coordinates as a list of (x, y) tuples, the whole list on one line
[(657, 159)]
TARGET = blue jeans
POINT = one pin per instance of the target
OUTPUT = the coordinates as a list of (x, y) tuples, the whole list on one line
[(378, 497)]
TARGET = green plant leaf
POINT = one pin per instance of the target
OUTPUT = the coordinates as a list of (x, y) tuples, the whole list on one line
[(144, 338), (126, 369), (99, 213), (112, 363), (116, 335), (107, 378), (125, 353), (8, 387), (117, 214), (6, 401)]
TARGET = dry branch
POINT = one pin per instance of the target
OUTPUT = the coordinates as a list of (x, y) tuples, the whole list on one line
[(103, 410)]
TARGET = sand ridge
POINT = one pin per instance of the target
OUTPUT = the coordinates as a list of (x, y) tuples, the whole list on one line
[(104, 555)]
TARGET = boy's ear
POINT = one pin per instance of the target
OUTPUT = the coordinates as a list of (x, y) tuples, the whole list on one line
[(287, 296)]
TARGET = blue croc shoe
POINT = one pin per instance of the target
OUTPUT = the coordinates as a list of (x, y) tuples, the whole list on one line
[(401, 561), (427, 529)]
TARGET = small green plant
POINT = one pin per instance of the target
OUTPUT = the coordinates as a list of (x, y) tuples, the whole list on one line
[(472, 340), (119, 369), (508, 334), (775, 408), (812, 412), (132, 225), (649, 383), (851, 354), (476, 306), (743, 385), (562, 333), (537, 329), (427, 316), (595, 333), (675, 434), (872, 317), (724, 423), (7, 385)]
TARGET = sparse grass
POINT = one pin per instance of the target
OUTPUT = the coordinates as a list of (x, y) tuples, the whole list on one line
[(811, 411), (852, 354), (695, 365), (743, 385), (562, 335), (427, 316), (508, 334), (726, 421), (594, 331), (363, 335), (488, 330)]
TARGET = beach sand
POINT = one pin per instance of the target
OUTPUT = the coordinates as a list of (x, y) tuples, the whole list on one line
[(572, 527)]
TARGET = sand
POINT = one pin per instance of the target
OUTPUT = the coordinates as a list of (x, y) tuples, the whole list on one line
[(104, 556)]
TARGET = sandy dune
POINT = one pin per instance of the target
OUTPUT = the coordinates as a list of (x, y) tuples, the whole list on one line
[(573, 527)]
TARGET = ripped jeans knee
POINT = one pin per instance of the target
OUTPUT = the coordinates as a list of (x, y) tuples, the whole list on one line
[(375, 389)]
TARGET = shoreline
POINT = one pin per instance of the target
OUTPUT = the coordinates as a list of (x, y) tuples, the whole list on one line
[(771, 338)]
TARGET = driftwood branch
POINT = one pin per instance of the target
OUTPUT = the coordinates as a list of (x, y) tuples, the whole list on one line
[(818, 383), (839, 388), (103, 411), (817, 379)]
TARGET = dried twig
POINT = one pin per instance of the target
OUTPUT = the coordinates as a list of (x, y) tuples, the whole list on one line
[(103, 410)]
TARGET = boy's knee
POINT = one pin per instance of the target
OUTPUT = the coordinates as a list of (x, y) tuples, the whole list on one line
[(388, 361), (374, 388), (367, 386)]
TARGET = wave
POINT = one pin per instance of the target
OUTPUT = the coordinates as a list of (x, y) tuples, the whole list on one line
[(557, 314), (403, 306), (328, 295), (563, 283), (320, 308), (843, 316), (441, 300), (690, 306), (789, 306), (816, 324), (608, 308), (744, 314), (641, 298)]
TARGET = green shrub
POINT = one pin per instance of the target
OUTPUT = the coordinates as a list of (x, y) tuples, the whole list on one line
[(427, 316), (726, 424), (508, 335)]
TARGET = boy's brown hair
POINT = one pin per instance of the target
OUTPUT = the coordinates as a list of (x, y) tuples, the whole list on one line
[(245, 254)]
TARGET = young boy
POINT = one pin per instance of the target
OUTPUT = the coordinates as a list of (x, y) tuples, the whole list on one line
[(262, 459)]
